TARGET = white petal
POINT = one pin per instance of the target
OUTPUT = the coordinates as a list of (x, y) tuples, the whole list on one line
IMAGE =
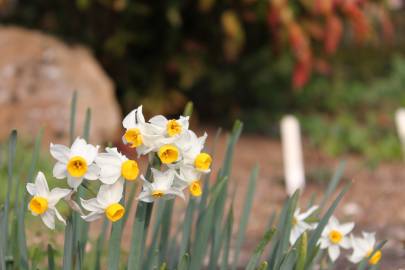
[(92, 172), (74, 182), (295, 234), (145, 196), (159, 120), (91, 205), (59, 170), (345, 243), (31, 188), (59, 216), (333, 252), (41, 185), (110, 168), (56, 194), (176, 193), (49, 219), (93, 216), (324, 243), (130, 120), (116, 191), (309, 212), (60, 152), (346, 228)]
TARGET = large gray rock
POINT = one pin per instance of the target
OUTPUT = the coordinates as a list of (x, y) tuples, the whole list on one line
[(38, 75)]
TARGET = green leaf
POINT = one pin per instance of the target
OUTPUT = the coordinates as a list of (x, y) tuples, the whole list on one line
[(321, 225), (289, 260), (87, 122), (259, 249), (226, 239), (73, 106), (184, 262), (51, 258), (247, 207), (4, 241), (334, 182), (68, 246), (100, 244), (284, 228), (204, 227), (302, 251), (136, 250), (187, 224), (114, 247), (165, 228)]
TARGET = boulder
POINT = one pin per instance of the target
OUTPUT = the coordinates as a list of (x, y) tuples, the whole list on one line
[(38, 76)]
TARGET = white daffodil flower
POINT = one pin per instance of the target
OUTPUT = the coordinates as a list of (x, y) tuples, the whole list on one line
[(139, 134), (161, 188), (44, 201), (363, 247), (169, 128), (106, 203), (299, 225), (114, 166), (75, 163), (334, 237), (191, 146), (191, 178)]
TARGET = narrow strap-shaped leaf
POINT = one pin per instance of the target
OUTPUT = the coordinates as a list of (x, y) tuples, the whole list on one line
[(10, 169), (302, 251), (226, 239), (333, 183), (100, 244), (254, 260), (51, 258), (285, 229), (204, 227), (184, 262), (68, 246), (186, 229), (73, 106), (165, 228), (114, 247), (247, 206), (289, 260), (312, 244), (22, 241), (155, 235), (87, 122)]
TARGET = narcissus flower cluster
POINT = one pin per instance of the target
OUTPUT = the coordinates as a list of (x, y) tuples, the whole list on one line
[(336, 236), (181, 163)]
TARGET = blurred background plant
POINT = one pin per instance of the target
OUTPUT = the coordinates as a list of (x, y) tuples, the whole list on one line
[(254, 60)]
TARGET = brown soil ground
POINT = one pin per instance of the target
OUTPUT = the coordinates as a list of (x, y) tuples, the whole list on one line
[(375, 200)]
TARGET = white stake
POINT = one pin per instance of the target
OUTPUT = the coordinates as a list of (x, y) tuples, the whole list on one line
[(400, 123), (292, 154)]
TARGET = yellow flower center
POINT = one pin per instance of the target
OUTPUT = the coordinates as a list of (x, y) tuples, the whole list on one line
[(115, 212), (38, 205), (375, 258), (129, 170), (157, 194), (134, 137), (294, 221), (335, 237), (195, 188), (203, 161), (168, 154), (77, 166), (173, 127)]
